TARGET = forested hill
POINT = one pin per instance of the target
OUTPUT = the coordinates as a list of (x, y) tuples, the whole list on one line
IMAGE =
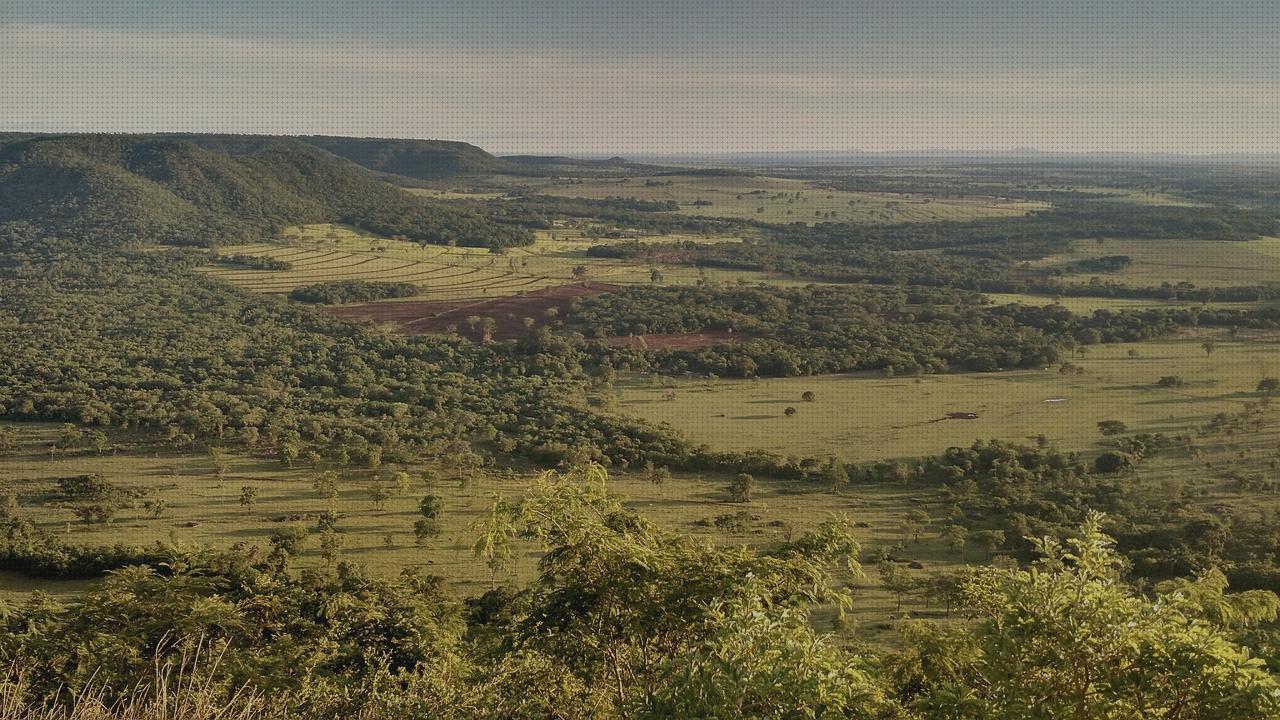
[(115, 189), (418, 159)]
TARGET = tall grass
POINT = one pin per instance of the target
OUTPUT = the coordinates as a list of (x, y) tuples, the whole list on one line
[(182, 690)]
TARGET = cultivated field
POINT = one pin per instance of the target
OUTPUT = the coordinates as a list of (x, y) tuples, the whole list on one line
[(867, 417), (781, 200), (323, 253)]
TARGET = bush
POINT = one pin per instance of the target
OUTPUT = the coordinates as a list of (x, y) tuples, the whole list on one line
[(1114, 462), (348, 291), (1111, 427)]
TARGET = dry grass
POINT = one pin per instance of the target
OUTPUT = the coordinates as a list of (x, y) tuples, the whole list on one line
[(178, 691)]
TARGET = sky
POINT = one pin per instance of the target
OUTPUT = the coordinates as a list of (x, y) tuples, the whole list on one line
[(667, 77)]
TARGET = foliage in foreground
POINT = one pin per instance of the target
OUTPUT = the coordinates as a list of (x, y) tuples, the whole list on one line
[(628, 620)]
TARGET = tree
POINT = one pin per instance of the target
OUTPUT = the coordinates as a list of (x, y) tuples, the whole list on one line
[(68, 436), (752, 661), (915, 521), (896, 579), (944, 588), (378, 495), (430, 507), (1269, 386), (330, 545), (402, 482), (326, 486), (248, 497), (425, 529), (655, 276), (288, 541), (658, 475), (789, 412), (220, 466), (614, 595), (1110, 428), (487, 327), (740, 488), (955, 536), (835, 473), (808, 396), (95, 513), (1070, 640), (1208, 346), (155, 507), (289, 451), (989, 540), (8, 440), (98, 441), (579, 272), (1114, 461)]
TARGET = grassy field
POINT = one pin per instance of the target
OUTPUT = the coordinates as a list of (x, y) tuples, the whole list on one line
[(203, 510), (322, 253), (868, 417), (1089, 304), (1136, 197), (861, 418), (1204, 263), (781, 200)]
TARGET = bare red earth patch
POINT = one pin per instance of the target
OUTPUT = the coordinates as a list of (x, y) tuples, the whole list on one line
[(420, 317)]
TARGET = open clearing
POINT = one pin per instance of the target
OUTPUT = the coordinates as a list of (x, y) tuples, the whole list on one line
[(862, 418), (1089, 304), (781, 200), (1201, 262), (866, 417), (325, 253), (513, 316), (204, 510)]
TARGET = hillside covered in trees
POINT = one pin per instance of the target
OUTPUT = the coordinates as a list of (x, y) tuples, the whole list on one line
[(119, 189)]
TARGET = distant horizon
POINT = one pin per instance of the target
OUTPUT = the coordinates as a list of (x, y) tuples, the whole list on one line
[(687, 77), (903, 152)]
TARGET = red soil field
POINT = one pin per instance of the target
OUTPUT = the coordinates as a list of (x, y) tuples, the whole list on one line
[(423, 317)]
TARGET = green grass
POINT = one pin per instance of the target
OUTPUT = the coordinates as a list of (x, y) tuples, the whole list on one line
[(203, 510), (866, 417), (1089, 304), (323, 253), (774, 200), (1204, 263), (1137, 197), (860, 418)]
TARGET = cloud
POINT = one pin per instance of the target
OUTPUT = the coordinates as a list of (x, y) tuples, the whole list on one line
[(556, 100)]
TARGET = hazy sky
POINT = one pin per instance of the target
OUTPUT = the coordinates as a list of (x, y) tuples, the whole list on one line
[(657, 76)]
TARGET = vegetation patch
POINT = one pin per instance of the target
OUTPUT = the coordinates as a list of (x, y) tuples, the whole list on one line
[(340, 292)]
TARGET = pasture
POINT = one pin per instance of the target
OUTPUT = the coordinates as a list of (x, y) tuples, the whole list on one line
[(1084, 305), (1204, 263), (867, 417), (205, 510), (323, 253), (861, 418), (783, 200)]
